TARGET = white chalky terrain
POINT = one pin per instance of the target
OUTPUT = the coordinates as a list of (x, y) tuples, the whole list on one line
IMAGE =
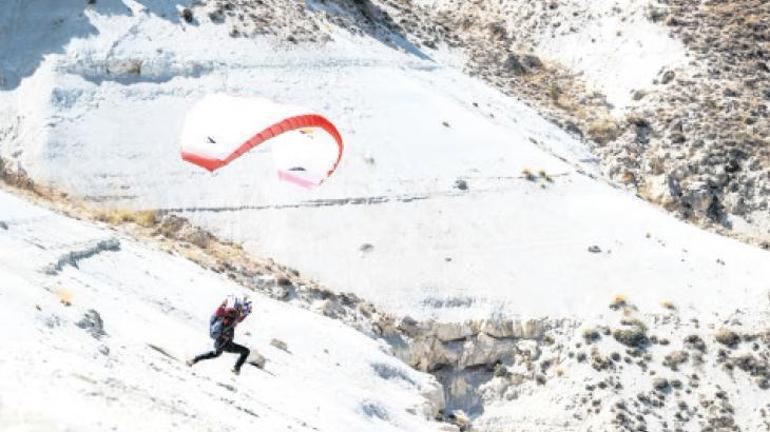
[(59, 373), (453, 202), (391, 224)]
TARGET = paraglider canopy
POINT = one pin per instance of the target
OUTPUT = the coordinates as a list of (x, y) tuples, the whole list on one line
[(220, 128)]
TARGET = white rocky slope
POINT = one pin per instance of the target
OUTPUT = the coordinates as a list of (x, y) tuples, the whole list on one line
[(99, 324), (610, 45), (95, 108), (98, 116), (674, 93), (97, 328)]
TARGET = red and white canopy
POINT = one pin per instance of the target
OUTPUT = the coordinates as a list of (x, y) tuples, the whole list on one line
[(220, 128)]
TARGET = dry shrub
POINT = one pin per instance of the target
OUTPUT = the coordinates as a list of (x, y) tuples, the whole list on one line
[(628, 178), (619, 301), (527, 173), (15, 177), (64, 295), (603, 130), (668, 305), (145, 218)]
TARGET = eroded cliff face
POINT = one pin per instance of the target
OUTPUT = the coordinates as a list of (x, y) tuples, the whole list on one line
[(630, 370)]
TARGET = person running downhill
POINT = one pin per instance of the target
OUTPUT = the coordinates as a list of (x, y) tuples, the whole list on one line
[(222, 329)]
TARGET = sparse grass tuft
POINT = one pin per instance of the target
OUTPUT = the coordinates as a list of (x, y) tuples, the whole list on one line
[(544, 175), (667, 304), (144, 218), (527, 173), (620, 301), (633, 322), (554, 92), (65, 296)]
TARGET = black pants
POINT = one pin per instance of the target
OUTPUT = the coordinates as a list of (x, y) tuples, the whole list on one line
[(230, 347)]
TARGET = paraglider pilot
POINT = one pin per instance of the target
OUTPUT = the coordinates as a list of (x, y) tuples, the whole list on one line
[(222, 329)]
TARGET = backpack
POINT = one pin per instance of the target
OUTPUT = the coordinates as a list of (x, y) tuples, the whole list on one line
[(216, 327)]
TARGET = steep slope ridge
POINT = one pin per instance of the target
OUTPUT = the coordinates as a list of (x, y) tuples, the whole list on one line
[(629, 369), (99, 343)]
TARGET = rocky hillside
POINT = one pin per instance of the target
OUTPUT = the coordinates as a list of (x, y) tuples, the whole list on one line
[(688, 130), (708, 155), (103, 316), (693, 138), (671, 368), (479, 235)]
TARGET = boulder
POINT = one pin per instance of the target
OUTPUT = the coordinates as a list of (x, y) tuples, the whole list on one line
[(92, 323), (529, 329), (499, 328), (428, 353), (434, 403), (453, 331), (256, 359), (485, 350), (281, 345)]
